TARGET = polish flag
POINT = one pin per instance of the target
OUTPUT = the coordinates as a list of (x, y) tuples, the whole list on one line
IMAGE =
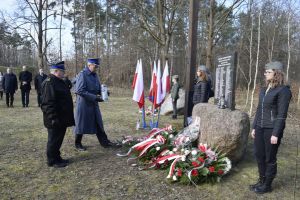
[(153, 83), (135, 75), (138, 93), (165, 81), (158, 99)]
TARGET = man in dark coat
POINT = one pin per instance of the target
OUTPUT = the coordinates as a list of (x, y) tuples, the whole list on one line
[(57, 107), (38, 80), (25, 79), (10, 85), (175, 95), (87, 114)]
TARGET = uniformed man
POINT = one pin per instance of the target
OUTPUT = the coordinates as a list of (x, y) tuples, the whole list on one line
[(175, 95), (87, 114), (57, 107), (10, 85), (25, 78), (38, 80)]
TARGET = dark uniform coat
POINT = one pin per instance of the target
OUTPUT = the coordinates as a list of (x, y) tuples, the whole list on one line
[(57, 104), (10, 83), (87, 113), (38, 80), (175, 91), (25, 76)]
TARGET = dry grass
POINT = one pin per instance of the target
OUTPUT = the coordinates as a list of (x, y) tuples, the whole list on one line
[(99, 174)]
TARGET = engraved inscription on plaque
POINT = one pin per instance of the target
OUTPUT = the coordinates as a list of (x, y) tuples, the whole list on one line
[(225, 80)]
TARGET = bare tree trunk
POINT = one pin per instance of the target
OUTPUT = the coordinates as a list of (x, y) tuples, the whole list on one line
[(45, 35), (256, 67), (60, 25), (289, 48), (298, 102), (250, 59), (210, 35), (75, 38), (40, 34), (108, 2)]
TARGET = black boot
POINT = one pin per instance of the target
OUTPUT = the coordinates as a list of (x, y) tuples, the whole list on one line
[(78, 144), (260, 182), (266, 187)]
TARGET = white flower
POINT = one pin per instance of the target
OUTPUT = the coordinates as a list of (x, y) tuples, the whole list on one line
[(194, 152), (171, 136), (228, 165), (168, 176), (157, 148), (171, 152), (174, 178), (186, 152), (182, 150), (174, 149), (183, 158)]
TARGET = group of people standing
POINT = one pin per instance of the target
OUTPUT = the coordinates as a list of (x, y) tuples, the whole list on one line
[(9, 85), (57, 107)]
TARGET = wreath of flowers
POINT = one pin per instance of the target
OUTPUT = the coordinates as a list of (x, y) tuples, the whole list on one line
[(189, 163)]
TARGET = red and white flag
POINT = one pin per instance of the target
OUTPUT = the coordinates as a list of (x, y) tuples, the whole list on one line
[(153, 84), (135, 75), (158, 99), (165, 81), (138, 93)]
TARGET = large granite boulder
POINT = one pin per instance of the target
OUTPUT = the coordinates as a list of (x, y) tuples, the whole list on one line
[(167, 107), (228, 130)]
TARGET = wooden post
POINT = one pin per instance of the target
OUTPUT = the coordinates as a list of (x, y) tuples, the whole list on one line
[(192, 55)]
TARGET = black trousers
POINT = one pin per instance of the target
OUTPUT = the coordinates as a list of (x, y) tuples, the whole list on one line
[(1, 95), (101, 136), (55, 139), (9, 98), (25, 97), (39, 98), (174, 103), (265, 152)]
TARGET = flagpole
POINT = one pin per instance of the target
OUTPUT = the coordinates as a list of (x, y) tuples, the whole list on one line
[(156, 124), (143, 118)]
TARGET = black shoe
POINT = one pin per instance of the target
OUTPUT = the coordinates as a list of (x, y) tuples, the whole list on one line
[(263, 189), (111, 144), (23, 106), (64, 160), (79, 147), (57, 164), (259, 183)]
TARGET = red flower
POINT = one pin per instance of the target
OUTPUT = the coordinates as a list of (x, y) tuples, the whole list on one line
[(211, 169), (220, 172), (194, 172), (201, 159), (179, 172), (202, 148), (157, 165), (195, 164)]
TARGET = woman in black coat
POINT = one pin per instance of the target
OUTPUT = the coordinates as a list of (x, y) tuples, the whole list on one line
[(269, 124), (201, 87)]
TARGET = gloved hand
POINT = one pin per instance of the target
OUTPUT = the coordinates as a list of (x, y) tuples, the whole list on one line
[(99, 99)]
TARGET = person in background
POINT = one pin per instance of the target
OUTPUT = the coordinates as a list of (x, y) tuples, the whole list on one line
[(175, 95), (10, 86), (25, 78), (88, 117), (57, 107), (1, 88), (269, 124), (38, 80)]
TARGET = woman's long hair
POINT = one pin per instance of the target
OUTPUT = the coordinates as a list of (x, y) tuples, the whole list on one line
[(203, 76), (278, 79)]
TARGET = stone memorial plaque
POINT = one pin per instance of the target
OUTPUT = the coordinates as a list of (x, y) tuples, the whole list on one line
[(225, 79)]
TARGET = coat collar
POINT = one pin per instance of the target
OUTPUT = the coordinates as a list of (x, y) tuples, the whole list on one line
[(88, 71)]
